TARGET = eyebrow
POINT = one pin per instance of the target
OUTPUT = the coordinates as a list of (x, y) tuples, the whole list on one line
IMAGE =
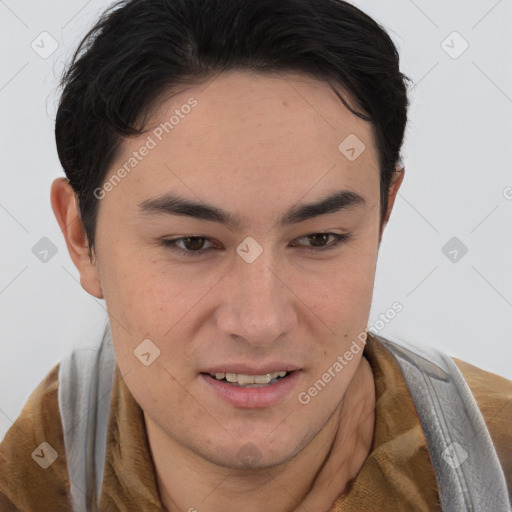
[(171, 204)]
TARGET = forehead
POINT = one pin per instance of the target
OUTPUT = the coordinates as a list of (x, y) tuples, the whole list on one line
[(275, 137)]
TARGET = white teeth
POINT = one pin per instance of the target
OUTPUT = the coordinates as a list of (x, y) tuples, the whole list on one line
[(262, 379), (245, 380)]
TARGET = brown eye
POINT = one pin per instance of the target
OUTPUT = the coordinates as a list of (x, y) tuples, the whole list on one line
[(193, 243), (188, 245), (318, 241)]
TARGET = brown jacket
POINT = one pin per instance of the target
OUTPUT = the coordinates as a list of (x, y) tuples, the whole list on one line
[(397, 475)]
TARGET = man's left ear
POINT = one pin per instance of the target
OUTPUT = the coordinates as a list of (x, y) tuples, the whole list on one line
[(396, 181)]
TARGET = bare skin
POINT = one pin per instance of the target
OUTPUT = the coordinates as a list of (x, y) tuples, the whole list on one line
[(312, 480), (254, 146)]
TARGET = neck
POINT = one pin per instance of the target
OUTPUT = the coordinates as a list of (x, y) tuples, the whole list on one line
[(312, 480)]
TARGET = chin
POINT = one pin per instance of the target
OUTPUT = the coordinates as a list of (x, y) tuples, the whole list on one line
[(254, 454)]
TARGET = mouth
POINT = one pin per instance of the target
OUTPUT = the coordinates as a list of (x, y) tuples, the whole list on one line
[(250, 381), (251, 390)]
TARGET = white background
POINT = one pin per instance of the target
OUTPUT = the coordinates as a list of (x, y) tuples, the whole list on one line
[(458, 177)]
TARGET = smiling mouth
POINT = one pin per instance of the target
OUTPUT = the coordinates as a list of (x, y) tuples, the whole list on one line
[(249, 381)]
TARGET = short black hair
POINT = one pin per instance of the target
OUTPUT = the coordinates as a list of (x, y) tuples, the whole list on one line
[(141, 49)]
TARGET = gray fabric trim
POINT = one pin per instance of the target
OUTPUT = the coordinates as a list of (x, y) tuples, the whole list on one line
[(467, 469), (85, 386)]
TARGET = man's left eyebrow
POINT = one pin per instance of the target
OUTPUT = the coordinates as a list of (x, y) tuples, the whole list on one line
[(335, 202), (172, 204)]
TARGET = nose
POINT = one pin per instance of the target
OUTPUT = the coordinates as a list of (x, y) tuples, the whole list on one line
[(258, 303)]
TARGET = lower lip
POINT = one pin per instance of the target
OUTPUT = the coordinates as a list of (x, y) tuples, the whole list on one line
[(253, 398)]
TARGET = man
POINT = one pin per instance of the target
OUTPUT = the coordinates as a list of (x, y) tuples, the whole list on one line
[(231, 166)]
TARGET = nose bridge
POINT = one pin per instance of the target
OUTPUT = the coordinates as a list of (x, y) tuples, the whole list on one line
[(258, 282), (258, 306), (258, 289)]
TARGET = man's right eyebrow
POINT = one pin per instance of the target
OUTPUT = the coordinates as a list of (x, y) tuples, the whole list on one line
[(172, 204)]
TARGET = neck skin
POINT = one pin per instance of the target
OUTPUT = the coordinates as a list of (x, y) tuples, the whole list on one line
[(312, 480)]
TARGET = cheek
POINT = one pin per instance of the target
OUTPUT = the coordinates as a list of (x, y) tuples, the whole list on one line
[(140, 291), (341, 295), (153, 386)]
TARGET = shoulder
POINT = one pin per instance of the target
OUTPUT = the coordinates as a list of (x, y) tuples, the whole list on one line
[(32, 455), (493, 394)]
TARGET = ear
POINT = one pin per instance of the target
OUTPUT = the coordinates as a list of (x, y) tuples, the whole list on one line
[(396, 181), (65, 209)]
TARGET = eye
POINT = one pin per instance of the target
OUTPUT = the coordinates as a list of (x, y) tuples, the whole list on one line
[(320, 241), (191, 245)]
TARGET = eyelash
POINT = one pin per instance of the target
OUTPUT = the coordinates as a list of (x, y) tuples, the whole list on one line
[(171, 244)]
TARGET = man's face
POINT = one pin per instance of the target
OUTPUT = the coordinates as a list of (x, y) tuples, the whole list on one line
[(255, 147)]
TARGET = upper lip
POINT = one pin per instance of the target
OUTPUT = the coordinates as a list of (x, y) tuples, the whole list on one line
[(251, 369)]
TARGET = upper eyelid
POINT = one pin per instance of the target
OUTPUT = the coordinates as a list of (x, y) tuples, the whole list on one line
[(296, 238), (337, 236)]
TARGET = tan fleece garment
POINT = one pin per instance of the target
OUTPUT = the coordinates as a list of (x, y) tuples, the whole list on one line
[(396, 476)]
